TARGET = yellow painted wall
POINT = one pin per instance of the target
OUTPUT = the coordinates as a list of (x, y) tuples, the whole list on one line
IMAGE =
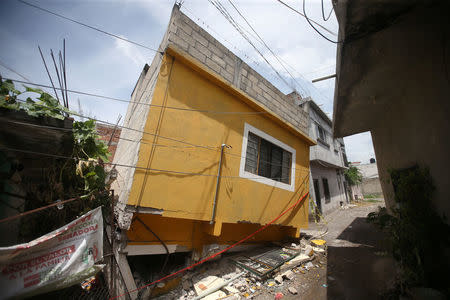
[(184, 196)]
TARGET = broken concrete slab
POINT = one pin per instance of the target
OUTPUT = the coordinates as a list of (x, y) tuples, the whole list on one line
[(308, 250), (215, 295), (318, 250), (278, 279), (295, 262), (207, 283), (292, 290), (231, 290), (288, 275)]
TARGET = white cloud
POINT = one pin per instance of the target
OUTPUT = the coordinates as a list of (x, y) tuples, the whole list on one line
[(359, 147), (129, 51)]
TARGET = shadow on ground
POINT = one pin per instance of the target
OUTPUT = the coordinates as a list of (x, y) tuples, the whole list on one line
[(359, 266)]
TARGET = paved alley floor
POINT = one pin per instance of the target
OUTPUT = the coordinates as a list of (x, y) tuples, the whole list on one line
[(357, 263)]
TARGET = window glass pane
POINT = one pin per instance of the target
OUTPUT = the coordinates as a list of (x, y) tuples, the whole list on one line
[(251, 161), (276, 162), (264, 159), (268, 160), (286, 167)]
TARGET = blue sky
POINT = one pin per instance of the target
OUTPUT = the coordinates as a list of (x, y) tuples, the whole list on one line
[(100, 64)]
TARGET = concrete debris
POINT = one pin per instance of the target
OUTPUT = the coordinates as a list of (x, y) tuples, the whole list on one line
[(308, 250), (278, 279), (288, 275), (296, 261), (309, 265), (215, 295), (292, 290), (318, 250), (207, 283), (231, 290)]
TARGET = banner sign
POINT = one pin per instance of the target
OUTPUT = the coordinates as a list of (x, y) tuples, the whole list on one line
[(59, 259)]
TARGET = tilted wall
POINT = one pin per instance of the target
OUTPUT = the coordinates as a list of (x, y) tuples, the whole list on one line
[(189, 194)]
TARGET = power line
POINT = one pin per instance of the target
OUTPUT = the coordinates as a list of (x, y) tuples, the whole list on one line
[(263, 42), (14, 71), (213, 148), (320, 33), (303, 15), (272, 74), (323, 12), (131, 166), (142, 103), (89, 26), (230, 19), (143, 142)]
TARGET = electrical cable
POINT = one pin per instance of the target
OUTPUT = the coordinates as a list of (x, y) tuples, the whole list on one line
[(323, 12), (263, 42), (130, 166), (146, 143), (303, 15), (272, 74), (89, 26), (141, 103), (230, 19), (320, 33)]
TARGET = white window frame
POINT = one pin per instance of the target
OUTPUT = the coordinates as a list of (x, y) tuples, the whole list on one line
[(264, 180)]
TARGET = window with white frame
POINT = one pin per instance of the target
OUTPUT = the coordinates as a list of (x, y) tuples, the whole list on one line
[(267, 160)]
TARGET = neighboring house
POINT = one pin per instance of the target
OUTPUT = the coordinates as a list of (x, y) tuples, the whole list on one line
[(370, 184), (110, 136), (327, 161), (172, 192), (393, 80)]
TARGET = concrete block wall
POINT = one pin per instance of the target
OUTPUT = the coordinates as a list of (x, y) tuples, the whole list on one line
[(198, 43)]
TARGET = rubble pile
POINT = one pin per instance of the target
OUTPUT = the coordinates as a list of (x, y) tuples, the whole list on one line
[(224, 280)]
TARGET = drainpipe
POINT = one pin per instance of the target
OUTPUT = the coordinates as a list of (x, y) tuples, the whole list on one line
[(217, 183)]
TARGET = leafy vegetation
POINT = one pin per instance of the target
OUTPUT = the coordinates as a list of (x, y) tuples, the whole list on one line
[(45, 105), (420, 237), (353, 175), (80, 175)]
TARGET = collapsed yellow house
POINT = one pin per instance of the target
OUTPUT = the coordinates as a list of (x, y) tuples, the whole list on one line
[(196, 112)]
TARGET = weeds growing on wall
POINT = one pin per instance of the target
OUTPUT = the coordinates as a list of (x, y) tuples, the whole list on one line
[(420, 237), (83, 174)]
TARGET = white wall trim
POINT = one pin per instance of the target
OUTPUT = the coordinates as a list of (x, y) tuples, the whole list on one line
[(261, 179)]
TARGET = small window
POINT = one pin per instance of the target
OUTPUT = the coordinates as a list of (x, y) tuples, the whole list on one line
[(326, 190), (321, 133), (266, 159)]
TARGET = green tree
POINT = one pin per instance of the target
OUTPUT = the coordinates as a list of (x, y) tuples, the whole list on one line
[(353, 175)]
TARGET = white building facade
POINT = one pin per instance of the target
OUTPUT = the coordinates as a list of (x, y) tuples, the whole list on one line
[(328, 160)]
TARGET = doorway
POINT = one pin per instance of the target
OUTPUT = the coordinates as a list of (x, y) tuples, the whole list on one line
[(317, 194)]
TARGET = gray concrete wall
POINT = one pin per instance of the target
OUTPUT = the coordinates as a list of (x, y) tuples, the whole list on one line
[(337, 193), (371, 186), (395, 83), (331, 153)]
